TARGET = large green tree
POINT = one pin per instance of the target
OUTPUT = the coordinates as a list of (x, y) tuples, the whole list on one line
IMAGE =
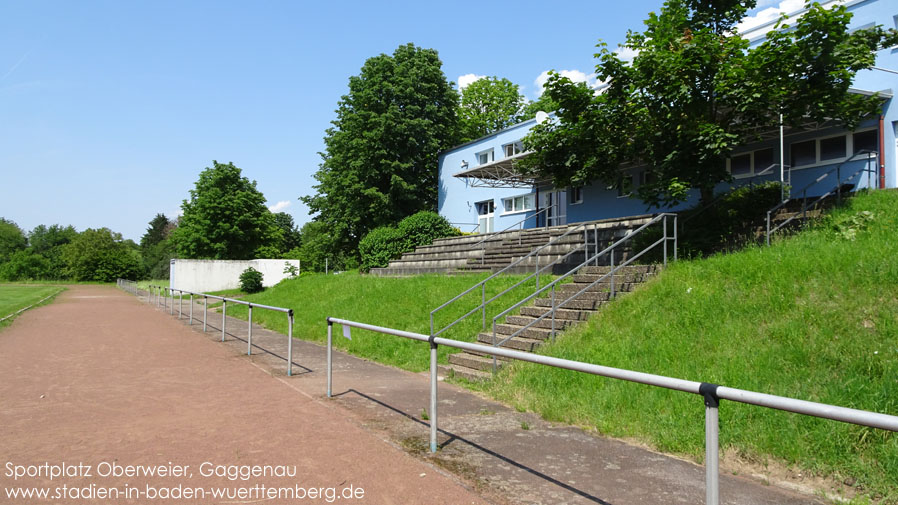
[(225, 218), (695, 91), (489, 104), (291, 237), (101, 255), (48, 242), (12, 239), (380, 159), (156, 247)]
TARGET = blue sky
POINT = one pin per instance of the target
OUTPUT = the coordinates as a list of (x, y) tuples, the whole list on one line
[(109, 110)]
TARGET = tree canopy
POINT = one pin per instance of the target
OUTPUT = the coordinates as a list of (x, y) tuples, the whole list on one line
[(101, 255), (380, 157), (695, 91), (225, 218), (12, 239), (489, 104), (156, 247)]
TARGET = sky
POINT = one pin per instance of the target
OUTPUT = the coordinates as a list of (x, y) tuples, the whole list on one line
[(110, 110)]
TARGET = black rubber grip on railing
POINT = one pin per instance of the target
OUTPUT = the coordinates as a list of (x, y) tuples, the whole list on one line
[(709, 392)]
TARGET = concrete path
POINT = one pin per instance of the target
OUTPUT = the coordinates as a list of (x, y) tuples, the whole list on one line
[(483, 441), (98, 382)]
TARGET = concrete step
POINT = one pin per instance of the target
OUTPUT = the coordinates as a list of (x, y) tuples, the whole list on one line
[(533, 332), (544, 323), (517, 343), (572, 304), (571, 288), (567, 290), (475, 361), (457, 371), (618, 278), (569, 314), (601, 270)]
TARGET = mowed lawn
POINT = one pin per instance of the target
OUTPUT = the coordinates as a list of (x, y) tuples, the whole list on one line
[(14, 297)]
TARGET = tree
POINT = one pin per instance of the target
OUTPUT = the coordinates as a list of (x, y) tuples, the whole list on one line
[(487, 105), (25, 264), (12, 239), (695, 91), (156, 248), (225, 218), (47, 242), (380, 157), (290, 233), (101, 255)]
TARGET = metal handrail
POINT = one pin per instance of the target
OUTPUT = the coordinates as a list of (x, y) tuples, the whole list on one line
[(158, 294), (482, 284), (492, 236), (459, 225), (837, 190), (594, 259), (750, 182), (711, 393)]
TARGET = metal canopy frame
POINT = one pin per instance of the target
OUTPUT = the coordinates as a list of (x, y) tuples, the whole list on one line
[(503, 173)]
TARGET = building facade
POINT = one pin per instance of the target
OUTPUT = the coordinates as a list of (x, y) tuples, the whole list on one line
[(482, 191)]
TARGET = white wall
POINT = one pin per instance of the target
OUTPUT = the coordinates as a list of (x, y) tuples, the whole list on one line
[(202, 276)]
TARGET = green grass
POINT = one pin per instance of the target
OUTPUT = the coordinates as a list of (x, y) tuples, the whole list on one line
[(814, 317), (400, 303), (144, 285), (17, 296)]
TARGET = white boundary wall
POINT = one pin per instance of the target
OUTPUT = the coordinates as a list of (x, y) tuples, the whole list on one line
[(201, 276)]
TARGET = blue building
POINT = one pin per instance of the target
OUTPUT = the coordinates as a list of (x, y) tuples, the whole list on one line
[(481, 190)]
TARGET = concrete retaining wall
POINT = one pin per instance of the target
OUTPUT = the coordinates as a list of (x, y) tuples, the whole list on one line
[(202, 276)]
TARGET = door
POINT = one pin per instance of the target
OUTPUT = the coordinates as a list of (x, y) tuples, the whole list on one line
[(556, 204), (485, 214)]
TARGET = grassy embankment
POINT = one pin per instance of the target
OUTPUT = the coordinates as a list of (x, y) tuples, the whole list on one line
[(14, 297), (814, 317)]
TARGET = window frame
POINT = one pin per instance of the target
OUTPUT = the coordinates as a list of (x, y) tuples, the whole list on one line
[(491, 153), (524, 200), (517, 148), (572, 192)]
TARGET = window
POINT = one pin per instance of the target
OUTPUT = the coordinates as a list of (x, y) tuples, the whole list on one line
[(751, 163), (865, 141), (513, 148), (484, 157), (832, 148), (741, 164), (519, 203), (763, 160), (804, 153), (575, 195)]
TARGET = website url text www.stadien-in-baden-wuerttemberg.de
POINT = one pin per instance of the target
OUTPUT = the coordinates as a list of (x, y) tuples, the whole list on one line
[(246, 490)]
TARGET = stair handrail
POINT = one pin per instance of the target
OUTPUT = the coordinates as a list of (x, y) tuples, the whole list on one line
[(482, 284), (743, 182), (520, 224), (837, 190), (593, 259)]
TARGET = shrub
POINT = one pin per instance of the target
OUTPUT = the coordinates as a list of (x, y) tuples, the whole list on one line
[(251, 281), (380, 246), (423, 228), (25, 265)]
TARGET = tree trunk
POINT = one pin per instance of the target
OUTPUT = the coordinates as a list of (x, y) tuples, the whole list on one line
[(707, 194)]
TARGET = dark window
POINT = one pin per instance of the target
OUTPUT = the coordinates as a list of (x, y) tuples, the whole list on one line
[(804, 153), (575, 194), (763, 160), (487, 207), (832, 148), (865, 141), (741, 164)]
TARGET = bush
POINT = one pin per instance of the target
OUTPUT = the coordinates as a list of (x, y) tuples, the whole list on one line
[(251, 281), (380, 246), (423, 228), (25, 265)]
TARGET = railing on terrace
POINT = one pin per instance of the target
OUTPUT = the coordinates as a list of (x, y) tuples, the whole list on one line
[(475, 229), (591, 260), (538, 271), (519, 225), (711, 394), (867, 154), (165, 297)]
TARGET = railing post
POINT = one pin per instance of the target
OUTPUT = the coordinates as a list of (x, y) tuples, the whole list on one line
[(665, 239), (537, 269), (495, 364), (330, 362), (712, 449), (675, 236), (180, 303), (433, 396), (768, 228), (290, 343), (205, 307), (611, 273), (595, 235), (483, 306), (249, 334), (224, 310), (191, 309), (171, 307), (553, 312), (839, 184)]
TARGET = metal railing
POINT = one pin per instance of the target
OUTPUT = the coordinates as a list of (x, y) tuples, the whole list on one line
[(475, 229), (837, 190), (538, 271), (519, 225), (127, 285), (711, 393), (165, 297), (594, 260)]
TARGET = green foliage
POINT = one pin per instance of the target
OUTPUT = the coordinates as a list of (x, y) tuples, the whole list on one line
[(809, 317), (849, 226), (25, 264), (48, 242), (156, 248), (380, 157), (12, 239), (544, 103), (422, 228), (101, 255), (251, 281), (380, 246), (291, 269), (487, 105), (695, 91), (317, 247), (225, 218), (292, 238)]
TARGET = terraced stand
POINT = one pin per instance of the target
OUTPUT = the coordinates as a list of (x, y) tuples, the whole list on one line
[(478, 367)]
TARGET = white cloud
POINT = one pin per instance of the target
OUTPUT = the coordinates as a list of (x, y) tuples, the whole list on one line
[(280, 206), (625, 53), (464, 80), (574, 75)]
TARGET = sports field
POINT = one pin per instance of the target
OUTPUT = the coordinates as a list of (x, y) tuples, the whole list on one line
[(14, 297)]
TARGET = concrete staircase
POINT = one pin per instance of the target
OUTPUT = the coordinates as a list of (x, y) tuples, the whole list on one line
[(466, 254), (478, 367)]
